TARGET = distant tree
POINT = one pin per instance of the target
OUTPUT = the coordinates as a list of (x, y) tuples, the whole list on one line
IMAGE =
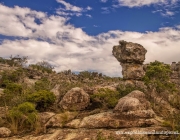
[(18, 60), (44, 66)]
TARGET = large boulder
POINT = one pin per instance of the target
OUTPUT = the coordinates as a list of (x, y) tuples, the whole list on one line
[(75, 99), (4, 132), (128, 52), (134, 105)]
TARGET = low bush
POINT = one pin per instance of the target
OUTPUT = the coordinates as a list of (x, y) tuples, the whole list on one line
[(42, 98), (12, 95), (107, 98), (43, 84), (21, 117), (11, 77), (124, 90)]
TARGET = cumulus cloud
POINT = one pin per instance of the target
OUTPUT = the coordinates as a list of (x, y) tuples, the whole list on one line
[(70, 10), (167, 6), (70, 7), (69, 47), (139, 3)]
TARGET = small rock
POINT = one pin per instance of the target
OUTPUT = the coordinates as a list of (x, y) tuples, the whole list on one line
[(4, 132)]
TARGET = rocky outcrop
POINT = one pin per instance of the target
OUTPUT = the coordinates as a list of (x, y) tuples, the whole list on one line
[(133, 110), (175, 76), (135, 106), (4, 132), (55, 91), (75, 99), (131, 57), (97, 134), (59, 120)]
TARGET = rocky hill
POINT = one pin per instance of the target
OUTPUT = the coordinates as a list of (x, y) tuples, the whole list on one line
[(39, 104)]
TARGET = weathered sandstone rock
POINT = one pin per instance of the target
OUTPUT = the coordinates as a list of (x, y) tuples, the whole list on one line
[(128, 52), (134, 105), (75, 99)]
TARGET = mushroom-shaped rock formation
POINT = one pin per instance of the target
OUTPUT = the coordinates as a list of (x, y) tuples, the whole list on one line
[(131, 57)]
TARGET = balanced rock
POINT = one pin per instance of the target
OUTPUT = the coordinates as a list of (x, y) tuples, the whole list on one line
[(131, 57), (75, 99)]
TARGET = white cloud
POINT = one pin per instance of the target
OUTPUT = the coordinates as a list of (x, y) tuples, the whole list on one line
[(104, 1), (168, 13), (88, 8), (71, 10), (139, 3), (88, 15), (167, 6), (69, 47), (70, 7)]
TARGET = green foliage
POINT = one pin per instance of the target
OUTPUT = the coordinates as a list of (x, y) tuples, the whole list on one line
[(43, 66), (86, 74), (43, 84), (13, 88), (106, 97), (124, 90), (12, 95), (42, 98), (11, 77), (157, 76), (22, 116)]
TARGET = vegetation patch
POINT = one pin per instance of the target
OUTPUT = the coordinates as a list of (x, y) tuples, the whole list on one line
[(106, 98), (21, 117), (42, 98)]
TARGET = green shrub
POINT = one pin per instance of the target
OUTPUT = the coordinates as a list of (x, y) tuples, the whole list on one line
[(106, 97), (42, 98), (158, 77), (43, 84), (124, 90), (13, 88), (21, 117), (12, 95), (11, 77)]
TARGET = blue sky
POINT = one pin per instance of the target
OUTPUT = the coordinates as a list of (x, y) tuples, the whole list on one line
[(79, 34)]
